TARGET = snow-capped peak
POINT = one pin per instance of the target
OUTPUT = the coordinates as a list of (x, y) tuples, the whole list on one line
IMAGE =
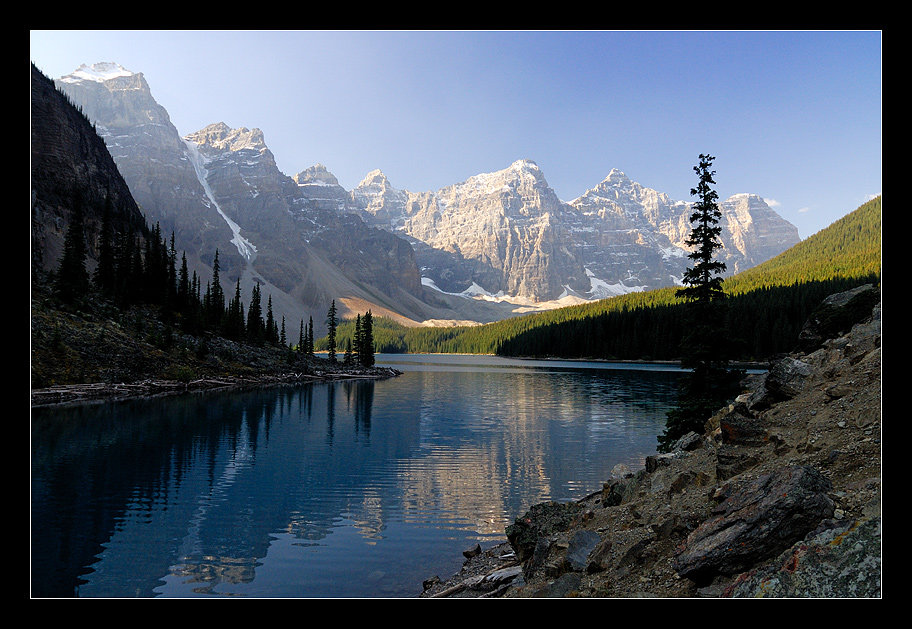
[(524, 164), (98, 72)]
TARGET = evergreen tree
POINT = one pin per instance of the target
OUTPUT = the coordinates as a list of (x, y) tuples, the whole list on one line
[(171, 290), (72, 277), (255, 329), (709, 384), (155, 273), (215, 307), (137, 273), (182, 304), (331, 324), (272, 330), (356, 340), (347, 360), (367, 340), (234, 318), (310, 337), (302, 348), (123, 258)]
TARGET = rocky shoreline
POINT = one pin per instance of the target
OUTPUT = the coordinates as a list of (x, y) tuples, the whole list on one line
[(82, 393), (90, 356), (779, 498)]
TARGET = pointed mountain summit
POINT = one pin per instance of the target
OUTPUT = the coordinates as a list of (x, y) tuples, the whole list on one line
[(98, 72), (221, 137), (316, 174)]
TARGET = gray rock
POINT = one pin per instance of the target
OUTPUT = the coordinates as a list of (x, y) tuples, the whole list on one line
[(740, 429), (690, 441), (731, 460), (787, 377), (540, 521), (560, 587), (581, 545), (621, 471), (837, 314), (843, 561), (756, 523)]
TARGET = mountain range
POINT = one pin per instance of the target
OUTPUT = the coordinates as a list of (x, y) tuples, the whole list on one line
[(493, 246)]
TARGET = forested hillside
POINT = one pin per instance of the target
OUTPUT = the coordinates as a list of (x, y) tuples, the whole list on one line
[(767, 307)]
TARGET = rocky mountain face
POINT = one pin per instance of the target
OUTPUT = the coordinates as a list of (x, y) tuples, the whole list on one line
[(504, 237), (70, 165), (504, 232), (508, 232), (219, 189)]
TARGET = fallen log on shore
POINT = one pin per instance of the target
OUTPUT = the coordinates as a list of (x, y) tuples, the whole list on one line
[(91, 392)]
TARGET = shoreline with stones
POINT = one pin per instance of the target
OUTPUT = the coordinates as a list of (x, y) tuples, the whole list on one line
[(101, 391), (780, 497)]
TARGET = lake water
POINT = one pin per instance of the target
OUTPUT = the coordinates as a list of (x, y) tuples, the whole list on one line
[(349, 489)]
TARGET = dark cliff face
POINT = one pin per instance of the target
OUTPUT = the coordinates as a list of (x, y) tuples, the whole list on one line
[(70, 164)]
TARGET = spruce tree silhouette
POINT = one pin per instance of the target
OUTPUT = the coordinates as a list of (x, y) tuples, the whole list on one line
[(709, 383)]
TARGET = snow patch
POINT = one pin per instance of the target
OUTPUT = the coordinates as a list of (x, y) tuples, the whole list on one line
[(673, 252), (600, 289), (98, 72), (472, 292), (247, 250)]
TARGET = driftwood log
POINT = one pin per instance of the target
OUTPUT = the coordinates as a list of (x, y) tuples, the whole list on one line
[(76, 393)]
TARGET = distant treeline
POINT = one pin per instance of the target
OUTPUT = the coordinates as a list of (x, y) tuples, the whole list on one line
[(767, 307)]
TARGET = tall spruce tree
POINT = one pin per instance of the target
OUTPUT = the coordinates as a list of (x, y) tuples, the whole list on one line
[(124, 280), (234, 317), (331, 323), (310, 336), (709, 383), (171, 281), (356, 340), (255, 328), (347, 360), (215, 306), (272, 329), (183, 288), (366, 343)]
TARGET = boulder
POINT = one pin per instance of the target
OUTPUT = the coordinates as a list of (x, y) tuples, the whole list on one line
[(755, 524), (836, 315), (582, 543), (540, 522), (784, 381), (841, 560)]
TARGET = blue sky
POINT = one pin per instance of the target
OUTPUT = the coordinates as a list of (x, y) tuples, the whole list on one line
[(792, 116)]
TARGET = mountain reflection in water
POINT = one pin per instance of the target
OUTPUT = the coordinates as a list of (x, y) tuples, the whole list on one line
[(346, 489)]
